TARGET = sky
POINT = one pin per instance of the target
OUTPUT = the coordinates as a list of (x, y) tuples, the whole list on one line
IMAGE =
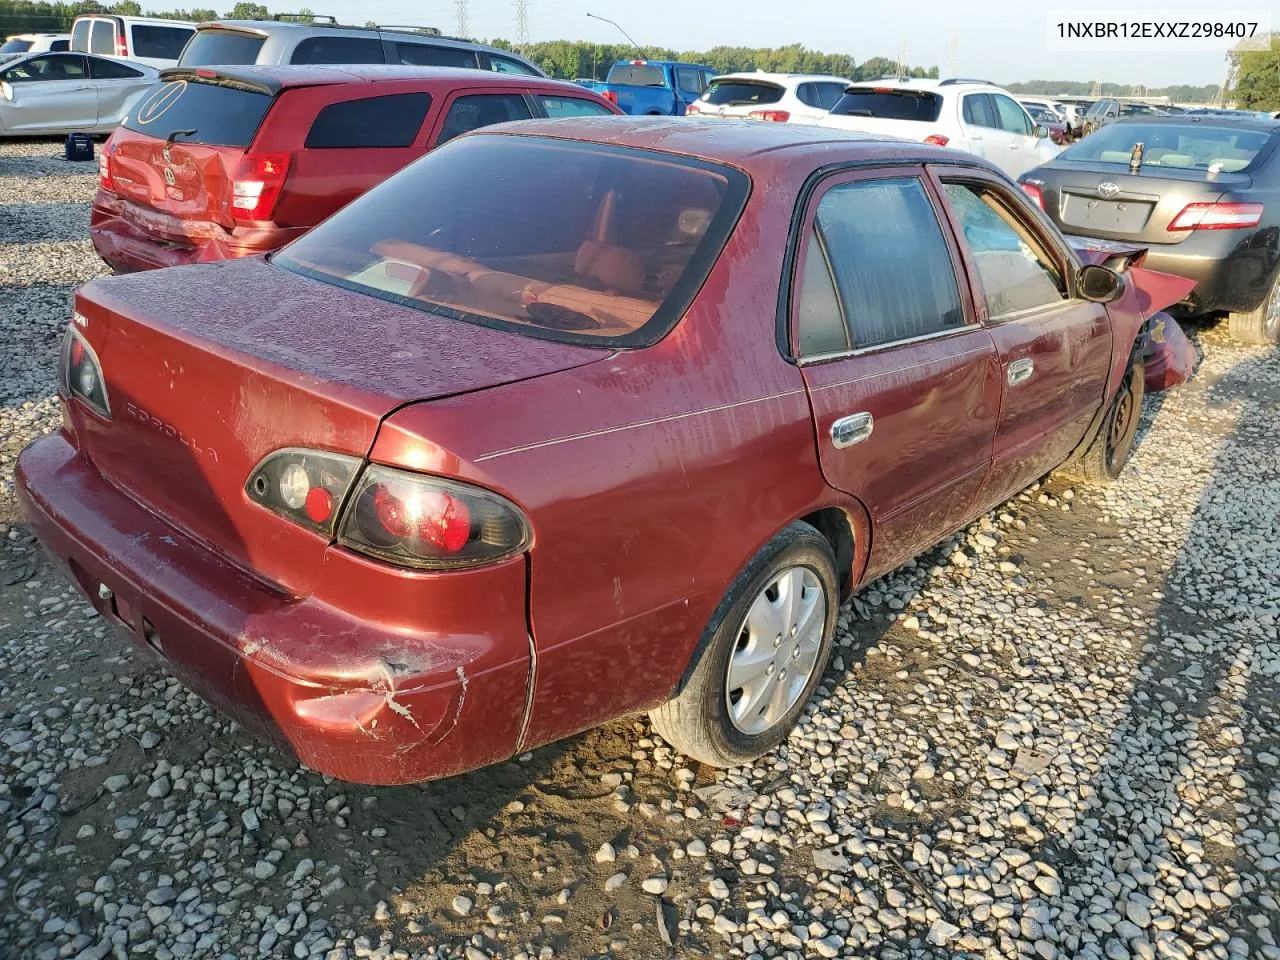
[(999, 40)]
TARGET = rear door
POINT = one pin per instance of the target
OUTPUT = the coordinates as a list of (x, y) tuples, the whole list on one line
[(471, 109), (981, 125), (115, 84), (50, 93), (1020, 142), (903, 381), (1055, 349)]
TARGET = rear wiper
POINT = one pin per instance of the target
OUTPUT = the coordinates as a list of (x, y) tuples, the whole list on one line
[(168, 141)]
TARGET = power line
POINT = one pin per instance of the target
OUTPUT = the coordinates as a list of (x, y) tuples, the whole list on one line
[(522, 22), (460, 10)]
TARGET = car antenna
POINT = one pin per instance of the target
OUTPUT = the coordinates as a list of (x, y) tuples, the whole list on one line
[(1135, 157), (620, 30)]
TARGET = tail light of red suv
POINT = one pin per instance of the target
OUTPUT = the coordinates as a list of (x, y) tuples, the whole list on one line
[(105, 180), (257, 185)]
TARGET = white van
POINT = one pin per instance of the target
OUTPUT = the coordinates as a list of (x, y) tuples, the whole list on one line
[(157, 43)]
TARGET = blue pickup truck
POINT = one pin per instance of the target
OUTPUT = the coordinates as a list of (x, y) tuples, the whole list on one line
[(656, 87)]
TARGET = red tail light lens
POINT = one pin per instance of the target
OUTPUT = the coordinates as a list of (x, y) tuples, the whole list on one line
[(1217, 216), (610, 95), (122, 46), (774, 116), (692, 108), (430, 523), (1033, 191), (258, 182), (82, 373), (105, 180), (937, 139), (305, 486)]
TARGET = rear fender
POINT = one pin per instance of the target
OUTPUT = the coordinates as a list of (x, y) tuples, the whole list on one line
[(1146, 292)]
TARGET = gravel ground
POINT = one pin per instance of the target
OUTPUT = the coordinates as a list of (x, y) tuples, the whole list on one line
[(1055, 736)]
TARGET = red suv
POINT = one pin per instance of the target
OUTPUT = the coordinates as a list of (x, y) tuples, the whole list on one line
[(216, 163)]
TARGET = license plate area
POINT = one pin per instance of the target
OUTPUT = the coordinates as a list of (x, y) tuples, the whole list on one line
[(1111, 216)]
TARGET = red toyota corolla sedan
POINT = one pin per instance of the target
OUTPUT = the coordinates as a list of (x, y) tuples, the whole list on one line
[(570, 420)]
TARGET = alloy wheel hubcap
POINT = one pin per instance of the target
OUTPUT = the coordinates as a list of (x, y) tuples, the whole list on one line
[(776, 650)]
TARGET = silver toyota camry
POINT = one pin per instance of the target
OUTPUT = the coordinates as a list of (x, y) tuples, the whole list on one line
[(48, 93)]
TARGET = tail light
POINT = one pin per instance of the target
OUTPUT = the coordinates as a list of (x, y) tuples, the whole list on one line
[(1217, 216), (105, 180), (413, 520), (692, 109), (305, 486), (122, 46), (82, 373), (1033, 191), (774, 116), (937, 139), (610, 95), (257, 184)]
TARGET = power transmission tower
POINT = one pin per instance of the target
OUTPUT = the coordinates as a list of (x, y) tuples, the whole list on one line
[(460, 9), (522, 22), (951, 56)]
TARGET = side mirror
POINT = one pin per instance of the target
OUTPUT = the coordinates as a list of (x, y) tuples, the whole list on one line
[(1099, 284), (1040, 131)]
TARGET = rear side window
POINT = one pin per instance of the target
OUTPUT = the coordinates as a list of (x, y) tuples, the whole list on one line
[(583, 242), (162, 43), (219, 115), (636, 75), (80, 36), (892, 266), (100, 68), (482, 110), (339, 50), (58, 45), (102, 38), (829, 94), (390, 121), (426, 55), (571, 107), (979, 111), (742, 93), (888, 104), (221, 46), (506, 65)]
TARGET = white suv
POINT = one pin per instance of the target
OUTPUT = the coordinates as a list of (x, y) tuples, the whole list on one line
[(965, 114), (780, 97), (36, 43)]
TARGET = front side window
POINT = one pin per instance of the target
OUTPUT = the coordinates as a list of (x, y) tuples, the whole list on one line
[(482, 110), (1013, 119), (430, 55), (893, 272), (1016, 274), (588, 243), (571, 107), (339, 50), (390, 121), (102, 38), (56, 66)]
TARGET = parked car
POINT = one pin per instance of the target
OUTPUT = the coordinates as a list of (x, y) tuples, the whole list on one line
[(236, 161), (779, 97), (1203, 196), (279, 42), (1056, 126), (36, 43), (1053, 106), (50, 93), (653, 87), (964, 114), (1108, 109), (150, 40), (354, 492)]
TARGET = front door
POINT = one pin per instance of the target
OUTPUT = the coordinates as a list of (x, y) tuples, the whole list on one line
[(1055, 350), (1019, 153), (903, 382), (52, 93)]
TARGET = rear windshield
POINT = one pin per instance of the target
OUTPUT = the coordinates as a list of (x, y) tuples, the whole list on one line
[(222, 115), (636, 75), (221, 46), (160, 43), (15, 46), (589, 244), (887, 104), (742, 92), (1190, 146)]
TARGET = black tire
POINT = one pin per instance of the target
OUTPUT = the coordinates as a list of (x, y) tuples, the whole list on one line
[(697, 721), (1259, 326), (1104, 459)]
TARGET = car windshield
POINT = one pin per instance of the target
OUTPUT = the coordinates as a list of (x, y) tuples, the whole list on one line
[(888, 103), (15, 46), (589, 243), (742, 92), (1190, 146)]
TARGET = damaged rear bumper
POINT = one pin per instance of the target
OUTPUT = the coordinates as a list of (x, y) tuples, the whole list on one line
[(381, 676)]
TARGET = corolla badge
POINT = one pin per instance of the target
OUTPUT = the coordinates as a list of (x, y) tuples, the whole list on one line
[(1107, 189)]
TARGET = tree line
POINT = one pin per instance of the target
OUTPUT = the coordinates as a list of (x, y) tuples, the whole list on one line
[(25, 16)]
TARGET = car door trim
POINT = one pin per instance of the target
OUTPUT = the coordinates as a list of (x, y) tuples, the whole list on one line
[(890, 345)]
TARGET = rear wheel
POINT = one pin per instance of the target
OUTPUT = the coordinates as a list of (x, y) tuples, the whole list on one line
[(1261, 325), (767, 648), (1104, 459)]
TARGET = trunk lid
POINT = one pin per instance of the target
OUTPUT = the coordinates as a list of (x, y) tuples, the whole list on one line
[(200, 394), (178, 149), (1106, 200)]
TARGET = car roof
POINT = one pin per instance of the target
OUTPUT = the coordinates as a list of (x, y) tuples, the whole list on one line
[(740, 143), (778, 77), (319, 28), (275, 78), (159, 21)]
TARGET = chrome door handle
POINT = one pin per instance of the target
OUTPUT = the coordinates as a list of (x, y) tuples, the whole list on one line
[(84, 88), (852, 429), (1020, 371)]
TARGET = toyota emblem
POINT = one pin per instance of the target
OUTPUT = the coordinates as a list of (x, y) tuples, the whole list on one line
[(1107, 189)]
